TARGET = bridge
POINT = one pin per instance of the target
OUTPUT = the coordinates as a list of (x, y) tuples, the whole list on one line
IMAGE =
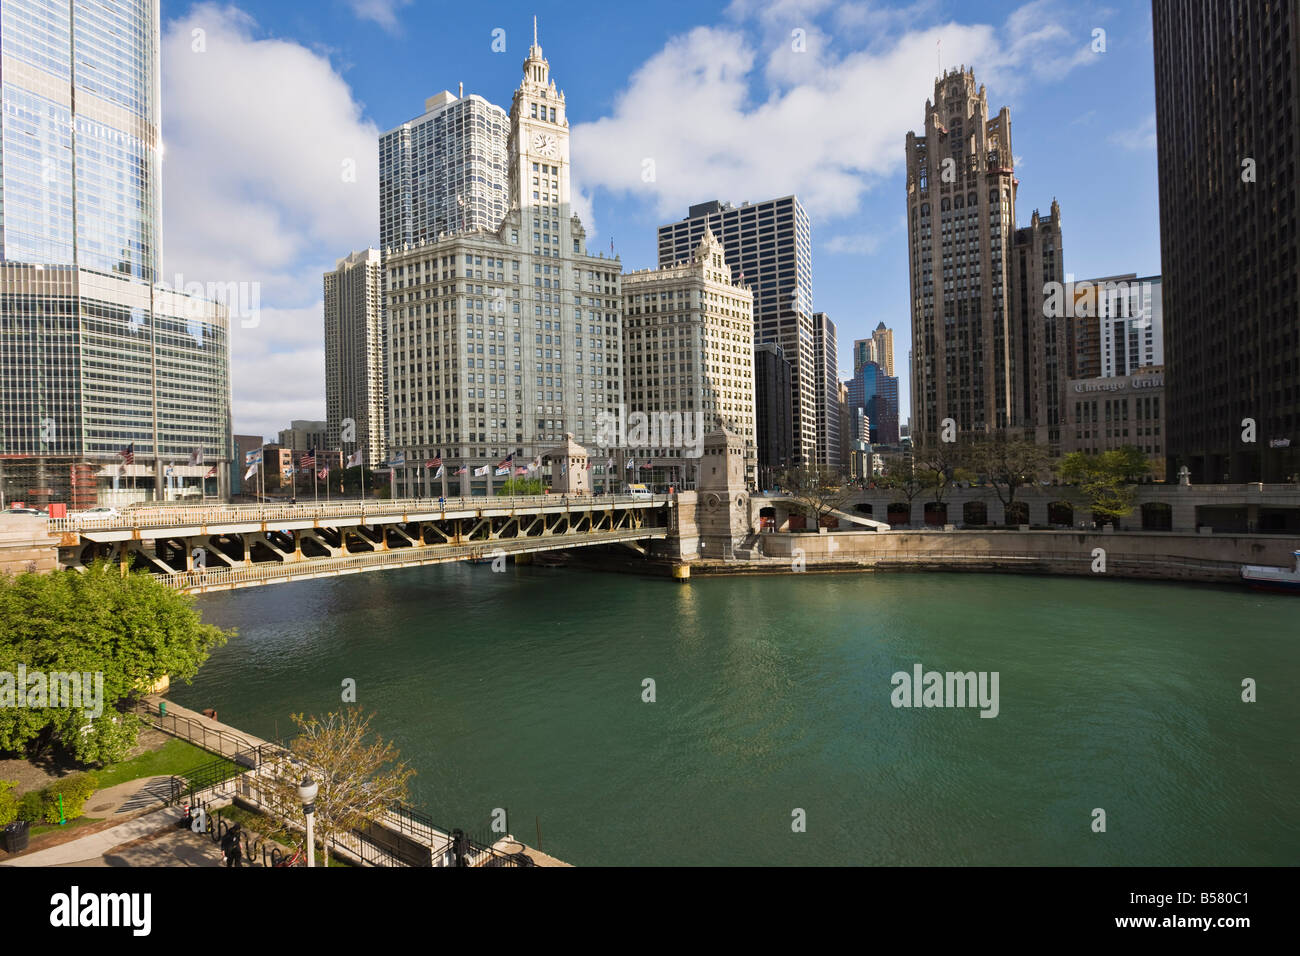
[(223, 547)]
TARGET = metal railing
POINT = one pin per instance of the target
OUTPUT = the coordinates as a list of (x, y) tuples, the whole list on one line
[(912, 557), (202, 515), (209, 738)]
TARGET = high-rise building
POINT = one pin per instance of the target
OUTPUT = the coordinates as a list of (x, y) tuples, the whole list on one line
[(501, 340), (1227, 79), (826, 362), (444, 171), (882, 340), (769, 248), (355, 366), (961, 209), (876, 394), (1042, 329), (772, 411), (688, 348), (113, 386), (80, 148), (864, 351), (1119, 325)]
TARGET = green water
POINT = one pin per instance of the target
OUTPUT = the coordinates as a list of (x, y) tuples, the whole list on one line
[(523, 690)]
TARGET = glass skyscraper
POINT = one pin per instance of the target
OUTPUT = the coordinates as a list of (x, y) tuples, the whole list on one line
[(97, 357)]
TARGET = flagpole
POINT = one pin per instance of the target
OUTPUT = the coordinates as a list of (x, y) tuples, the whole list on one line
[(315, 491)]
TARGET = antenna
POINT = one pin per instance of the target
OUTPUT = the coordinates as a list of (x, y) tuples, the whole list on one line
[(534, 30)]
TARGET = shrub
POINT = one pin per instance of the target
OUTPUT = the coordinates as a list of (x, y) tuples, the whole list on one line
[(30, 807), (8, 802), (75, 790)]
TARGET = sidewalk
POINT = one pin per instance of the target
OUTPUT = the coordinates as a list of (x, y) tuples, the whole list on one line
[(96, 845)]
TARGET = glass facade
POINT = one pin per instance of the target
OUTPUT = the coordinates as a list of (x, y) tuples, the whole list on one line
[(79, 184)]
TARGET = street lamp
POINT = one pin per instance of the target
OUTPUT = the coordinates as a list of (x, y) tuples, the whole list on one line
[(307, 794)]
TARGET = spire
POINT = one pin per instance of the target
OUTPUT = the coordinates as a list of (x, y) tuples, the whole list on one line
[(534, 29)]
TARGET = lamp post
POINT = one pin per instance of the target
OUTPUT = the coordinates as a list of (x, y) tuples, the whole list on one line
[(307, 794)]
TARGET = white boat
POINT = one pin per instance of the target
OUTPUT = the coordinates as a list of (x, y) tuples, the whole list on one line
[(1265, 577)]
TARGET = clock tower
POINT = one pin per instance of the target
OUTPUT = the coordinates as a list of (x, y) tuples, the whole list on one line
[(539, 156)]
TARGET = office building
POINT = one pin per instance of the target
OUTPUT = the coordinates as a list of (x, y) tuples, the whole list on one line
[(114, 387), (882, 341), (1119, 323), (1104, 414), (501, 340), (876, 394), (769, 249), (864, 351), (688, 351), (1042, 329), (1227, 84), (304, 435), (356, 410), (444, 171), (772, 411), (826, 364)]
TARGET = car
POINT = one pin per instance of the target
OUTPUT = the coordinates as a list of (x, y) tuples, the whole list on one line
[(26, 511), (103, 511)]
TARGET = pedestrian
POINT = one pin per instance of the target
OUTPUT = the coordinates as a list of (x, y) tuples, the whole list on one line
[(442, 502), (230, 850)]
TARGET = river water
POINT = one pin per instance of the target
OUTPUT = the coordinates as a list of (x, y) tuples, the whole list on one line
[(525, 690)]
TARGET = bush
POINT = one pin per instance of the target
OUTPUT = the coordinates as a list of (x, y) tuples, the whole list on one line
[(8, 802), (42, 806), (30, 807)]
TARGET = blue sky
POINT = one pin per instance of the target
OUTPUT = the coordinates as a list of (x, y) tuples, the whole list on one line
[(271, 112)]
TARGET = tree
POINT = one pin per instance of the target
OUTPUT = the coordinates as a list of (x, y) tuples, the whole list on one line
[(359, 777), (517, 487), (1009, 464), (818, 488), (939, 466), (1103, 479), (901, 475), (123, 632)]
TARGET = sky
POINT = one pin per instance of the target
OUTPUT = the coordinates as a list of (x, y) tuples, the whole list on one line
[(272, 112)]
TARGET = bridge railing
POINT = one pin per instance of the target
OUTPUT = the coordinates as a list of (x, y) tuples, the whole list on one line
[(174, 517)]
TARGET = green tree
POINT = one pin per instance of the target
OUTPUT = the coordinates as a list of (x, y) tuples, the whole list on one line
[(518, 487), (359, 776), (1008, 464), (902, 475), (130, 630), (1104, 481)]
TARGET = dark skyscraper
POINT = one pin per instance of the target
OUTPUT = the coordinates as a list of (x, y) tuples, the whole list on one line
[(772, 405), (1227, 79)]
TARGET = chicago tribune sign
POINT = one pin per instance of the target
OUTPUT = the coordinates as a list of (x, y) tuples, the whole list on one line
[(1122, 384)]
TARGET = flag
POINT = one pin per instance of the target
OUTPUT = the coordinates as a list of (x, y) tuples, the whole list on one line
[(212, 472), (646, 466), (521, 470), (287, 472), (398, 461), (480, 472), (535, 464), (354, 459), (564, 467), (438, 474), (509, 460), (461, 470), (253, 457), (323, 473), (434, 462), (308, 461), (128, 454), (169, 470), (503, 471), (589, 464), (196, 456), (630, 463), (252, 470), (609, 464)]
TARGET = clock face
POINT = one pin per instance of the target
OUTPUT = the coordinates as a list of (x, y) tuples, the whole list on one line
[(545, 143)]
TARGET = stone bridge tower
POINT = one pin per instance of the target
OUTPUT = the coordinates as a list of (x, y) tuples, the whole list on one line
[(722, 510)]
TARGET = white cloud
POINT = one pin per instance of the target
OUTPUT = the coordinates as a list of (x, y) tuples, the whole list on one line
[(1137, 138), (261, 135), (383, 12), (859, 244), (827, 126)]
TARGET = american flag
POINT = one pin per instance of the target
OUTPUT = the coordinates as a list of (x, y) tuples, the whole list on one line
[(434, 462), (521, 470), (323, 473), (461, 470), (308, 460), (212, 472), (128, 454), (509, 460)]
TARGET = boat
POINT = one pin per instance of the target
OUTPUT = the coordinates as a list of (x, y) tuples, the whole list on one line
[(1265, 577)]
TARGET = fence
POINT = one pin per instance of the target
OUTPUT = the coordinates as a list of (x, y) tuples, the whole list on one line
[(210, 739), (200, 515), (1141, 565)]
